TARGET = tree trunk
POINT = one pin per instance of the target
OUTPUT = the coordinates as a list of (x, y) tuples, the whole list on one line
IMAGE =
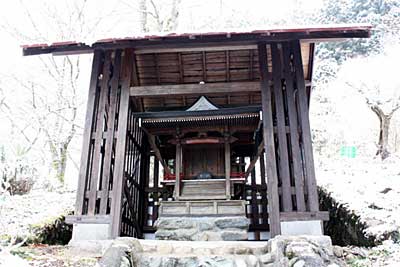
[(143, 16), (384, 125)]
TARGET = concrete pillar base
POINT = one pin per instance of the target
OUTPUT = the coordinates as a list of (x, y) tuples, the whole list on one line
[(90, 231), (302, 228)]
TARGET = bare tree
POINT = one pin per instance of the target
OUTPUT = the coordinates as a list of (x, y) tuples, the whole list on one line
[(159, 16), (50, 109), (376, 80)]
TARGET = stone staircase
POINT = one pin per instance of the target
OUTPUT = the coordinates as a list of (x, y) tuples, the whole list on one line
[(187, 253), (314, 251)]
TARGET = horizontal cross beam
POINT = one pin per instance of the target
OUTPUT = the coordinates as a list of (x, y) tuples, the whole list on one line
[(195, 89)]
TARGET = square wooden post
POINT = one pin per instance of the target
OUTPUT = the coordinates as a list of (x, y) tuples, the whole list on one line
[(227, 166), (177, 190), (269, 146), (119, 175)]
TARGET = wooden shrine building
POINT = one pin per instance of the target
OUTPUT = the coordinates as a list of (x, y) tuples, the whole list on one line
[(198, 120)]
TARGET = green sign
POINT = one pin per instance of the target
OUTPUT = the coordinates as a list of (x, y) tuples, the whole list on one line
[(348, 152)]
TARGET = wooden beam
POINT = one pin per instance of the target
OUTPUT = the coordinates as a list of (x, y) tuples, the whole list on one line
[(252, 164), (177, 189), (157, 153), (119, 173), (294, 132), (304, 216), (227, 167), (98, 142), (284, 171), (311, 182), (269, 146), (110, 133), (87, 134), (195, 89)]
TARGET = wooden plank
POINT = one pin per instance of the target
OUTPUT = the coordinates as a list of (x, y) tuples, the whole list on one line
[(210, 48), (110, 133), (253, 162), (281, 125), (100, 219), (268, 135), (294, 133), (304, 216), (195, 89), (264, 201), (227, 149), (177, 189), (254, 200), (98, 142), (311, 183), (157, 152), (119, 174), (87, 133)]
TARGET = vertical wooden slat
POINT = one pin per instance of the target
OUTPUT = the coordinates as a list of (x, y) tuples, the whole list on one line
[(87, 134), (125, 81), (305, 129), (268, 135), (110, 133), (254, 204), (98, 142), (281, 125), (177, 190), (264, 202), (227, 146), (155, 199), (294, 134)]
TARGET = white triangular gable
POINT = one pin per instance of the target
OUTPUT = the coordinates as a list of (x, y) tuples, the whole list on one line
[(202, 104)]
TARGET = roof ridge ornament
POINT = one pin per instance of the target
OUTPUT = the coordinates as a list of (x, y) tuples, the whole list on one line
[(203, 103)]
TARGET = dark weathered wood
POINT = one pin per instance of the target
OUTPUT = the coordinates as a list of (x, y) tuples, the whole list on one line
[(157, 152), (125, 81), (254, 200), (268, 135), (87, 134), (264, 200), (294, 134), (253, 162), (97, 155), (281, 125), (227, 147), (195, 89), (178, 159), (304, 216), (110, 133), (305, 129)]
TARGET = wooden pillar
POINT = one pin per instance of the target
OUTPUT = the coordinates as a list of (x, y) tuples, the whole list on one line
[(177, 190), (311, 183), (87, 134), (119, 173), (268, 135), (227, 166)]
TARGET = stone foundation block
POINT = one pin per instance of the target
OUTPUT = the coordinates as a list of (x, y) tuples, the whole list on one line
[(232, 228)]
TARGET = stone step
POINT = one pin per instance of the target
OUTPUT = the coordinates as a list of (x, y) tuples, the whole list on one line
[(278, 251)]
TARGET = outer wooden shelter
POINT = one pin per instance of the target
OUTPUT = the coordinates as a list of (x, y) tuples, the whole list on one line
[(201, 106)]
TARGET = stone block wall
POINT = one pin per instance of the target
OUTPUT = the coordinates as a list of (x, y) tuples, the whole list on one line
[(233, 228)]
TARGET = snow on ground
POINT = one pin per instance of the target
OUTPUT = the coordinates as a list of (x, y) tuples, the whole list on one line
[(17, 213), (370, 187)]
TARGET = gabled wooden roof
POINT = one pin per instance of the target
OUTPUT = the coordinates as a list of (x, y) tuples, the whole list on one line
[(197, 39)]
